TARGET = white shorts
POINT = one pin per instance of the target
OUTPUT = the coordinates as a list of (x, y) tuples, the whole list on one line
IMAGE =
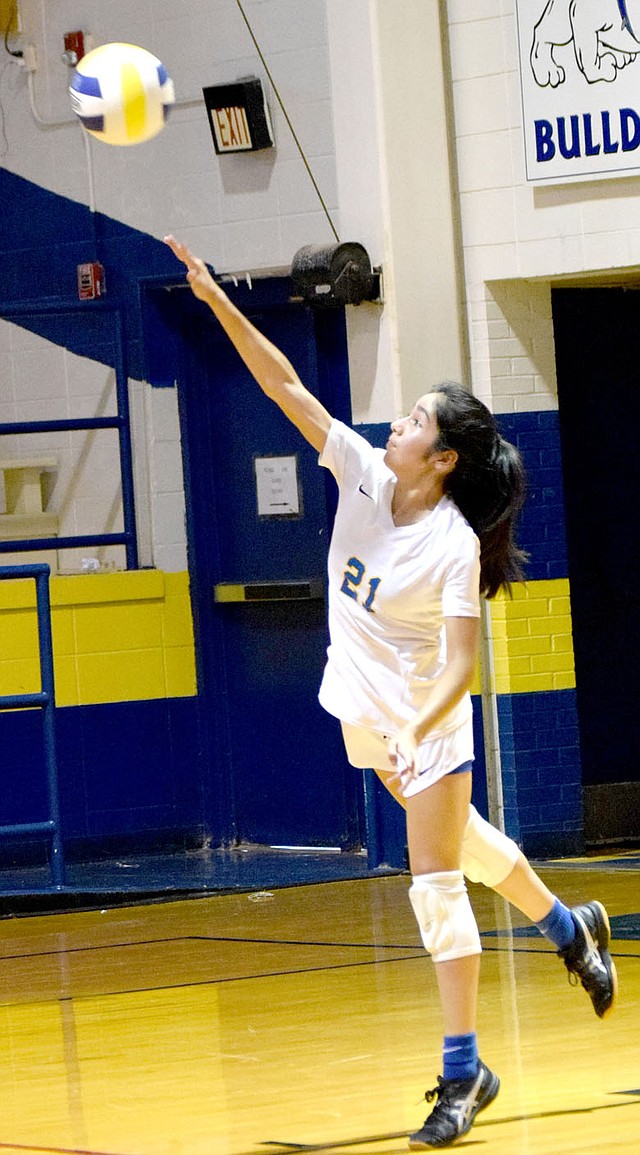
[(436, 756)]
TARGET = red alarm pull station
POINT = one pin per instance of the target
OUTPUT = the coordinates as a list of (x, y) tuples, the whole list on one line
[(73, 47), (90, 281)]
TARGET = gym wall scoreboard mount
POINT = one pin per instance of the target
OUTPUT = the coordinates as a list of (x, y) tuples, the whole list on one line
[(580, 87)]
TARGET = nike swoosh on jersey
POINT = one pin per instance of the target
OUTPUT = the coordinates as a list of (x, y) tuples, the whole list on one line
[(361, 490)]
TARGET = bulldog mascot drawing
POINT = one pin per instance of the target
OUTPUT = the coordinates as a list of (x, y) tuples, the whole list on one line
[(605, 35)]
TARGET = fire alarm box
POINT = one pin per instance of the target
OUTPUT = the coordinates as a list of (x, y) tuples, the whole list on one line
[(90, 281), (73, 48)]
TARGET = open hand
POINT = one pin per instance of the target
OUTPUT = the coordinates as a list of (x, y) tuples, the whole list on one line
[(198, 275), (403, 750)]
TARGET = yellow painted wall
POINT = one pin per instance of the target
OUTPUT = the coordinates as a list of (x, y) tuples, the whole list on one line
[(8, 16), (117, 637), (533, 638)]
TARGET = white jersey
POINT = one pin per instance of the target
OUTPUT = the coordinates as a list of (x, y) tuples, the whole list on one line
[(390, 588)]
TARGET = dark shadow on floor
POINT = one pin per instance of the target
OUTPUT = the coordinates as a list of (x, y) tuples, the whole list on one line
[(145, 877)]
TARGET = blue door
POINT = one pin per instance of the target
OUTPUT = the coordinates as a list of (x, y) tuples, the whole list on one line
[(275, 770)]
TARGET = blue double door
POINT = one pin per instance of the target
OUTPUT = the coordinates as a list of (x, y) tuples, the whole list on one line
[(274, 769)]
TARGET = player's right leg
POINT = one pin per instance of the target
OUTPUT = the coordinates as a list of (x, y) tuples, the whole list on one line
[(581, 934)]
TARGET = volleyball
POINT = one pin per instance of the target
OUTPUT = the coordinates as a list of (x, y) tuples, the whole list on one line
[(122, 94)]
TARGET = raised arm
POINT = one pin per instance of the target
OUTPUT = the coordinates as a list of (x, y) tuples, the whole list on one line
[(272, 370)]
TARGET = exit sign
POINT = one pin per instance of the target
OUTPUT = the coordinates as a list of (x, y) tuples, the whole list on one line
[(238, 116)]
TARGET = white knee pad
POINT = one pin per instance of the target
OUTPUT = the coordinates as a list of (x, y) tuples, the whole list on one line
[(488, 856), (447, 924)]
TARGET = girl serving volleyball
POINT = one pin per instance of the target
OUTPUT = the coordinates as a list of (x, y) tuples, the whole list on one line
[(424, 528)]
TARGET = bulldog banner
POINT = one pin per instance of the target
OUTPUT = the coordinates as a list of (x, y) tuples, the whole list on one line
[(580, 83)]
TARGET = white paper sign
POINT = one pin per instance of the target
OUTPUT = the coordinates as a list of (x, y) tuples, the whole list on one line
[(580, 82), (277, 486)]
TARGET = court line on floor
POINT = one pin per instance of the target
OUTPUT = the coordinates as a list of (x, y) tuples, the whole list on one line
[(419, 953), (211, 939), (518, 935), (393, 1135), (51, 1150)]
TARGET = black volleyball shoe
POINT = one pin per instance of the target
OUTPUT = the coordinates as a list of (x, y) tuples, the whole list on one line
[(459, 1101), (587, 959)]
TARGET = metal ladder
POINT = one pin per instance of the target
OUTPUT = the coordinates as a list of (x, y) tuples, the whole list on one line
[(44, 699)]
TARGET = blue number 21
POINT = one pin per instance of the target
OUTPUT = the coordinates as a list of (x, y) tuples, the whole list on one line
[(353, 576)]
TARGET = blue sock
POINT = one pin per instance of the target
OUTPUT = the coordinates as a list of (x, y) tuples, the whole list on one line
[(558, 926), (460, 1056)]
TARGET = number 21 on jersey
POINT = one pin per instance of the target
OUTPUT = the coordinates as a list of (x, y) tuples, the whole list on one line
[(355, 586)]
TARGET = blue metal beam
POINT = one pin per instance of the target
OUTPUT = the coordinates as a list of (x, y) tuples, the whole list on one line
[(45, 700)]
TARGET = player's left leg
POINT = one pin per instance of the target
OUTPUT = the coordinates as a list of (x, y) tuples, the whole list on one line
[(436, 819)]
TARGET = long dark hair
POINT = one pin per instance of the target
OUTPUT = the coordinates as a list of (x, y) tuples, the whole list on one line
[(488, 483)]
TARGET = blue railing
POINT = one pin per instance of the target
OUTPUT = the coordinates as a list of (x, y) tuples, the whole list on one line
[(44, 700), (121, 422)]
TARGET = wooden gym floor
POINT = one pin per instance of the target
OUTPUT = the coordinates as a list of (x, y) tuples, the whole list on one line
[(302, 1019)]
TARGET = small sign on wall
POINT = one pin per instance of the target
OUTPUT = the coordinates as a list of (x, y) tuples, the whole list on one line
[(580, 84), (277, 486), (238, 116)]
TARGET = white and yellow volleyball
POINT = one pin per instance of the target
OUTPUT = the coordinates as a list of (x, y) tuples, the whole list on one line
[(122, 94)]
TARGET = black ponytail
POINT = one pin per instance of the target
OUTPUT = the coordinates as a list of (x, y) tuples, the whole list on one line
[(488, 483)]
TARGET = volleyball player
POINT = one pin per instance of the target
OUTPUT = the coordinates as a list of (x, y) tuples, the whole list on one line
[(422, 529)]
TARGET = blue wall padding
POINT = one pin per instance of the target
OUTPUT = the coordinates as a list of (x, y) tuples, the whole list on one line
[(541, 755), (126, 769), (541, 531)]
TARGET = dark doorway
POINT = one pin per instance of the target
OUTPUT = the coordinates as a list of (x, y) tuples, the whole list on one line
[(599, 407)]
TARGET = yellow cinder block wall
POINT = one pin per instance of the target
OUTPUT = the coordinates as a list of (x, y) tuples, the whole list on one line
[(117, 637), (532, 639)]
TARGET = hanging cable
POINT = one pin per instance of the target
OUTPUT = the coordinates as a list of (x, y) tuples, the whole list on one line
[(3, 120), (286, 116), (41, 120)]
